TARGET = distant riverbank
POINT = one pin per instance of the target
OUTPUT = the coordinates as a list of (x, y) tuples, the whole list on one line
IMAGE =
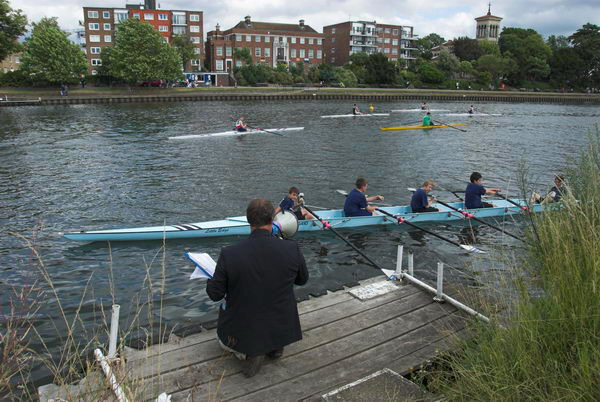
[(50, 96)]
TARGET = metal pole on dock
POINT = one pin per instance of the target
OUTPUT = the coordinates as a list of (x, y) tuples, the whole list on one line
[(439, 297), (114, 384), (114, 331), (411, 263), (398, 273)]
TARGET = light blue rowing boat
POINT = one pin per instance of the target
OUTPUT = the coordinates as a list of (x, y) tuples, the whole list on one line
[(238, 225)]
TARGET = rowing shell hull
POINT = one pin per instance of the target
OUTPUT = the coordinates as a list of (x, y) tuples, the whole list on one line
[(419, 110), (235, 133), (473, 114), (335, 116), (421, 127), (238, 226)]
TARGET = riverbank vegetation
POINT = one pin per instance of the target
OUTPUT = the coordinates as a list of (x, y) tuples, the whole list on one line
[(549, 349)]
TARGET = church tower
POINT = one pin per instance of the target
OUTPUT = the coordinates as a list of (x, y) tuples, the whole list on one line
[(488, 26)]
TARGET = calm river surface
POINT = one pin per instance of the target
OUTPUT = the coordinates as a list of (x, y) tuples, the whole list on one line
[(68, 168)]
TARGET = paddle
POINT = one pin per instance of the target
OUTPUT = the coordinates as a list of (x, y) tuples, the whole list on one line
[(345, 194), (512, 202), (400, 220), (326, 225), (266, 131), (448, 124), (471, 216)]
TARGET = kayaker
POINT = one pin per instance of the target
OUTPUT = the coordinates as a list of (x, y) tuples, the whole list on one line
[(475, 190), (427, 120), (420, 202), (290, 203), (256, 279), (355, 110), (240, 125), (357, 202), (424, 106), (471, 110)]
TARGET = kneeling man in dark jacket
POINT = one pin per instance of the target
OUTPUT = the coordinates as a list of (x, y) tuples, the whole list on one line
[(256, 277)]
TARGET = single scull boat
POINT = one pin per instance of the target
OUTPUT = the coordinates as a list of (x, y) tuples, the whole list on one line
[(236, 133), (421, 127), (333, 116)]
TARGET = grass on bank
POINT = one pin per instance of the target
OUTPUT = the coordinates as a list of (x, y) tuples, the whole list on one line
[(550, 346)]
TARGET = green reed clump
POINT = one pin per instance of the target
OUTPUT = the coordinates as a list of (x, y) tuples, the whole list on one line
[(549, 349)]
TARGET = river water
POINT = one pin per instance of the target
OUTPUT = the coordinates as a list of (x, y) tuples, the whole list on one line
[(68, 168)]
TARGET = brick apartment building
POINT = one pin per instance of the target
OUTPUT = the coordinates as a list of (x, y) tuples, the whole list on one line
[(100, 26), (347, 38), (269, 43)]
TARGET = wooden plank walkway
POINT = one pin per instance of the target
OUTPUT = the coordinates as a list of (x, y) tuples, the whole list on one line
[(344, 339)]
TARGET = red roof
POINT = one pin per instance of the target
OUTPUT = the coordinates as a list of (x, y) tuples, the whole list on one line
[(273, 27)]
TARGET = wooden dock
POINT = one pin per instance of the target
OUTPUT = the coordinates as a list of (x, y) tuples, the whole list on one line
[(344, 339)]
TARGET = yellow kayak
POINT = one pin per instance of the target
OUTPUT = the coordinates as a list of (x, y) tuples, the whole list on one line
[(422, 127)]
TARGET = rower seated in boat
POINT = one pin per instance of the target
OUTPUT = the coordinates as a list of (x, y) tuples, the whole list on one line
[(420, 202), (475, 190), (555, 193), (292, 204), (240, 125), (471, 110), (355, 110), (424, 106), (357, 202), (427, 120)]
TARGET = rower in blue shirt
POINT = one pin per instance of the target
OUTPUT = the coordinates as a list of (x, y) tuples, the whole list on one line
[(357, 203), (474, 192), (420, 202), (290, 203)]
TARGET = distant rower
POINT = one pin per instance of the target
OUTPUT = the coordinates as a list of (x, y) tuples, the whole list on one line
[(240, 125), (355, 110), (427, 120), (424, 106), (471, 110)]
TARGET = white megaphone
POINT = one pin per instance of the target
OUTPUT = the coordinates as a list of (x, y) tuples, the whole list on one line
[(285, 224)]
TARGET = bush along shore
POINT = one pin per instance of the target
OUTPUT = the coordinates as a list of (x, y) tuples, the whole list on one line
[(549, 346)]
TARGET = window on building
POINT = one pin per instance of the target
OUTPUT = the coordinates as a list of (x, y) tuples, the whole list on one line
[(388, 30), (196, 50), (228, 51), (163, 28), (238, 63), (302, 53), (332, 40), (332, 50), (94, 26), (178, 19), (379, 40), (394, 51), (106, 27), (310, 41), (178, 30), (219, 65), (267, 52), (386, 40), (311, 54), (107, 38), (94, 72), (395, 32), (136, 16), (17, 60), (92, 14), (195, 17), (248, 38), (332, 30), (293, 53), (395, 42), (267, 39), (219, 50), (302, 41), (386, 50), (195, 39), (238, 38), (257, 38), (106, 14), (163, 17), (257, 52), (194, 28), (94, 38), (293, 39), (333, 59), (95, 50), (319, 41), (195, 62), (148, 16), (319, 54), (96, 62), (121, 16)]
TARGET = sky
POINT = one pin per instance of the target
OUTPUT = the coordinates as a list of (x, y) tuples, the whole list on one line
[(449, 19)]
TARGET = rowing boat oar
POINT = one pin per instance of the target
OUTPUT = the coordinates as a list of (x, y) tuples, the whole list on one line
[(512, 202), (266, 131), (345, 194), (449, 125), (471, 216), (400, 220), (326, 225)]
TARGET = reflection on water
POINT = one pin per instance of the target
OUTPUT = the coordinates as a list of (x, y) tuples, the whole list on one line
[(108, 166)]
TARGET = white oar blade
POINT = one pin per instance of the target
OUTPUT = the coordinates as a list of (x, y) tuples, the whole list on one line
[(472, 249), (411, 189), (342, 192)]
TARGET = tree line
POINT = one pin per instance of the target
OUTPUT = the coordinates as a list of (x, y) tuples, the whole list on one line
[(520, 58)]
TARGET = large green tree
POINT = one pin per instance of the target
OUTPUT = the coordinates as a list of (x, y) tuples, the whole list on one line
[(586, 41), (426, 43), (529, 50), (567, 69), (12, 25), (467, 49), (243, 55), (447, 62), (380, 69), (50, 55), (140, 54), (185, 48), (497, 66), (557, 42)]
